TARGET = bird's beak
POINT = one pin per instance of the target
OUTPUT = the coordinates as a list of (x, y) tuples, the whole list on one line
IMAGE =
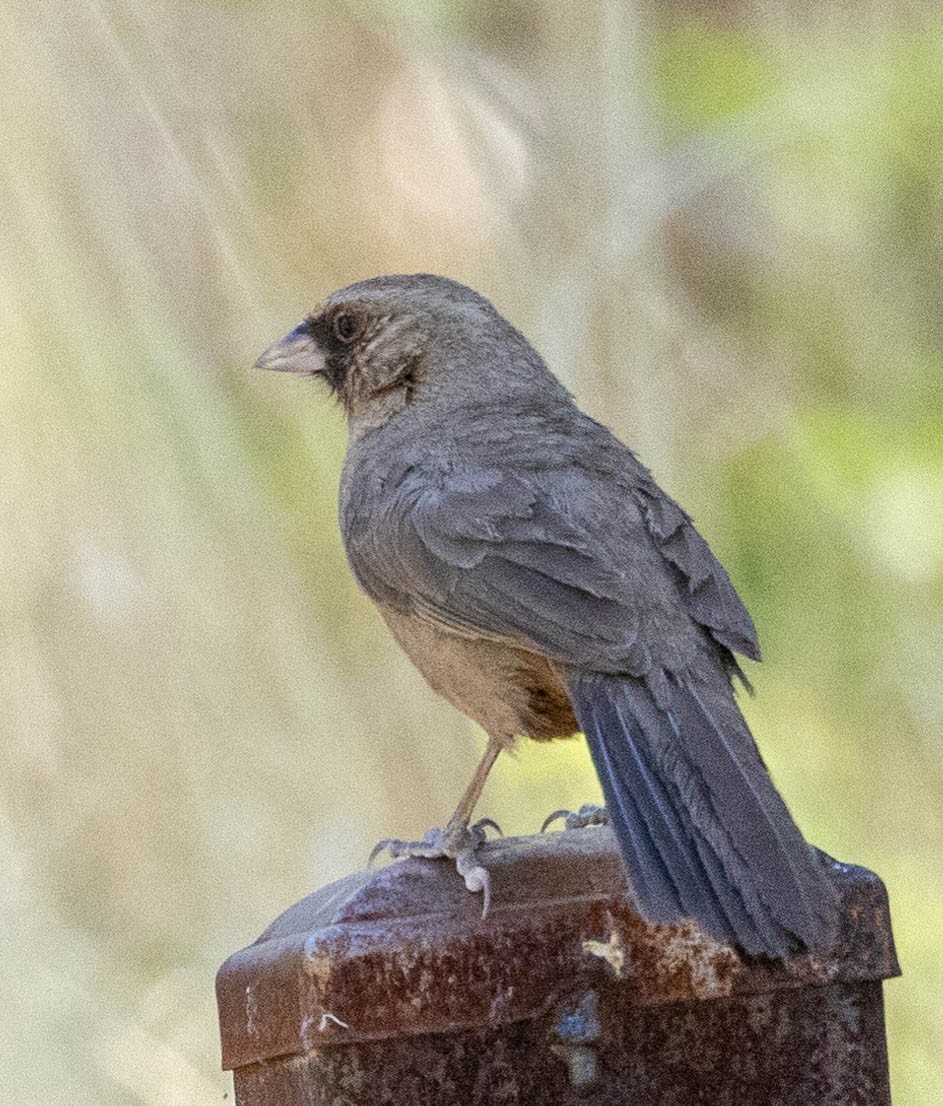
[(297, 352)]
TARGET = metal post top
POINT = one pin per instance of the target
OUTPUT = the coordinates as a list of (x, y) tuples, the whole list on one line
[(404, 950)]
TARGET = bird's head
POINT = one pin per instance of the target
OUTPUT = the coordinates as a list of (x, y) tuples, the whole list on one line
[(383, 344)]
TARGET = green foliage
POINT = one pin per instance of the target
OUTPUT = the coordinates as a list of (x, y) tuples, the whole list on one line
[(706, 74)]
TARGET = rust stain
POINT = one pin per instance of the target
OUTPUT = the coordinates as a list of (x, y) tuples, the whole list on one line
[(390, 984)]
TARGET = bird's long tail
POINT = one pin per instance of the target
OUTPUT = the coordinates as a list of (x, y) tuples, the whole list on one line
[(704, 832)]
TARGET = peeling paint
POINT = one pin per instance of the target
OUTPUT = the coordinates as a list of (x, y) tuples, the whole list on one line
[(611, 950), (327, 1018), (440, 1007), (581, 1062), (251, 1011)]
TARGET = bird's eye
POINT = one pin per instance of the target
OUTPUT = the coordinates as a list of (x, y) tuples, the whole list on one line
[(346, 326)]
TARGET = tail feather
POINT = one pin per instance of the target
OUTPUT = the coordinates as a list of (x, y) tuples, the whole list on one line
[(650, 802), (736, 780), (704, 832), (653, 879)]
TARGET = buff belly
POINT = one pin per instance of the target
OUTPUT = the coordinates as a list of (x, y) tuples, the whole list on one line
[(507, 691)]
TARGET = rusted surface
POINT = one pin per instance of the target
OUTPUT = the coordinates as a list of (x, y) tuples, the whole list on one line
[(389, 987)]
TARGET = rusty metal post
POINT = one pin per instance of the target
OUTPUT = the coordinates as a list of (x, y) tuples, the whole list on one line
[(388, 987)]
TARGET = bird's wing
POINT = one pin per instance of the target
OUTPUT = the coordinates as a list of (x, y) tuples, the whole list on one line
[(705, 587), (487, 554)]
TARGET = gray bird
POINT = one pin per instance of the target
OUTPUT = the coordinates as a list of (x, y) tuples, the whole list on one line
[(543, 583)]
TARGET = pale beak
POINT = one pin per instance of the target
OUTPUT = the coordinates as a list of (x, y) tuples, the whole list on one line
[(297, 352)]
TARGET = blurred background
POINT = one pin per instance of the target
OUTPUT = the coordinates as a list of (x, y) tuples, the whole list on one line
[(721, 224)]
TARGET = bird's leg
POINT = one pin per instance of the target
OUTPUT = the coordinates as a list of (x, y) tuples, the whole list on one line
[(458, 841), (589, 814), (458, 823)]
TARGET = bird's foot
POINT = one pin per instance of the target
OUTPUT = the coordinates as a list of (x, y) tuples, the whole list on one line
[(459, 842), (589, 814)]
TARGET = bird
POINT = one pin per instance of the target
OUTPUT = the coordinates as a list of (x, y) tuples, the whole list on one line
[(543, 583)]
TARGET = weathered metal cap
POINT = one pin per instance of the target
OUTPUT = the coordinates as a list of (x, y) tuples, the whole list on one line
[(404, 950)]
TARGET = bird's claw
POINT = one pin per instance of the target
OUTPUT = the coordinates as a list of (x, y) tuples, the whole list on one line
[(589, 814), (459, 843), (551, 818), (432, 845), (488, 823), (476, 878)]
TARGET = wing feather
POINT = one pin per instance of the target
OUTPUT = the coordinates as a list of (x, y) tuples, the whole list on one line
[(708, 594), (528, 559)]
